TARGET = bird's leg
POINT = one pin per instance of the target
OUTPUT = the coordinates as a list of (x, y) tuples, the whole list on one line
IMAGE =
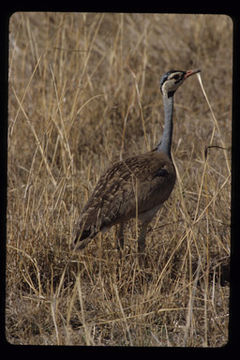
[(141, 243), (141, 237), (120, 237)]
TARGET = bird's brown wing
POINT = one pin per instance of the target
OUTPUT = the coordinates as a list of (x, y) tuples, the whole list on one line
[(128, 188)]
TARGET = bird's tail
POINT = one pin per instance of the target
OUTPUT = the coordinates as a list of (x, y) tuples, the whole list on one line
[(82, 235), (80, 244)]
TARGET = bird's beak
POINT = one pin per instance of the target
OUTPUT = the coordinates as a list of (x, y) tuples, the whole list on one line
[(191, 72)]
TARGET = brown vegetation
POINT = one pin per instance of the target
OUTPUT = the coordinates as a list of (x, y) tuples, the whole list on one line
[(84, 92)]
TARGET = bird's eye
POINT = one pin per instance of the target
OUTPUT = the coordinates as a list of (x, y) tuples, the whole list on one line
[(176, 77)]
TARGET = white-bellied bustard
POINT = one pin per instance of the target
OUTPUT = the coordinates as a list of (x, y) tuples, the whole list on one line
[(135, 187)]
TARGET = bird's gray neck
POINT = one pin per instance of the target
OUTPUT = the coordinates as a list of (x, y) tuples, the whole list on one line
[(166, 140)]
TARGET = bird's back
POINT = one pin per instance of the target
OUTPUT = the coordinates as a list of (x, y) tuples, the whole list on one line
[(129, 188)]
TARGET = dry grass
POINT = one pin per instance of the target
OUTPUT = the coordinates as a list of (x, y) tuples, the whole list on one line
[(83, 92)]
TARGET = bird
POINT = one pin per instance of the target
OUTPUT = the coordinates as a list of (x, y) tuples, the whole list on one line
[(135, 187)]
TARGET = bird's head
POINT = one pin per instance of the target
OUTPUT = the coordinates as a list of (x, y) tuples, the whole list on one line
[(171, 80)]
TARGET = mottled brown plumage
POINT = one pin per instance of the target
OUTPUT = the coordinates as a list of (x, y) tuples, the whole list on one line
[(128, 189), (137, 186)]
